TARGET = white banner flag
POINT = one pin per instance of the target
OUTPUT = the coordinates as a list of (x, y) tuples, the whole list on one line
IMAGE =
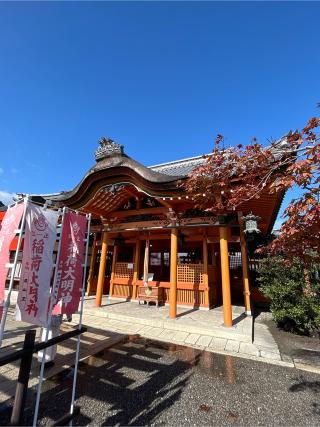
[(34, 289)]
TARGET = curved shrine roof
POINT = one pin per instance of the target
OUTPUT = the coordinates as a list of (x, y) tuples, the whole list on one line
[(114, 168)]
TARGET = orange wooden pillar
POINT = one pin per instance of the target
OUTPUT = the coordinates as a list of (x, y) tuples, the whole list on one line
[(205, 270), (113, 269), (92, 264), (225, 276), (136, 268), (102, 269), (245, 273), (173, 273)]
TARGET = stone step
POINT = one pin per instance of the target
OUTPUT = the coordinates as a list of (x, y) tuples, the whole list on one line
[(178, 324)]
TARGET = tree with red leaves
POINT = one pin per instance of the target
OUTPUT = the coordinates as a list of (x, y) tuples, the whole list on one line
[(231, 176)]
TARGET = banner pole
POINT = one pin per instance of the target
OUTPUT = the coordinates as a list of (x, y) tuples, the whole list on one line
[(13, 269), (48, 326), (80, 319)]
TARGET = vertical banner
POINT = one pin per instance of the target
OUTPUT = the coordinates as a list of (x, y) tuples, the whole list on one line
[(8, 229), (70, 264), (34, 288)]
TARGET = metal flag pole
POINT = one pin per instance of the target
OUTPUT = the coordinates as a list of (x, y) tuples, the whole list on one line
[(80, 319), (13, 269), (49, 321)]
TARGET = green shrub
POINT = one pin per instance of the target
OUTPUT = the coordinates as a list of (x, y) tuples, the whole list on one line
[(295, 306)]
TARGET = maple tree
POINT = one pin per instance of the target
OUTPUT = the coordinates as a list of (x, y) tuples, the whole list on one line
[(229, 177)]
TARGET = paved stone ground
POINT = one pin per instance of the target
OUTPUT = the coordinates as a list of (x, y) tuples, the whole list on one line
[(188, 318), (199, 329), (114, 322), (144, 382)]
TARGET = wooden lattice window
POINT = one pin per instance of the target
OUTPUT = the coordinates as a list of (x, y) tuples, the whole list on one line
[(123, 270), (190, 273)]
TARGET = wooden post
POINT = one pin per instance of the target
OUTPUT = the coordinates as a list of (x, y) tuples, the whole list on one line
[(136, 268), (23, 379), (205, 270), (245, 270), (173, 273), (102, 269), (113, 269), (225, 276), (92, 264)]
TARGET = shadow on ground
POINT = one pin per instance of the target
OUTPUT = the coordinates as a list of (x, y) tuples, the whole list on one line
[(144, 382), (130, 382)]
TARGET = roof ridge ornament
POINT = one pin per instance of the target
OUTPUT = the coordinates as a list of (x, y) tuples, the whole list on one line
[(108, 148)]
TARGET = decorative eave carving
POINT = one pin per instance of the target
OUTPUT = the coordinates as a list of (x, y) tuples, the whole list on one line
[(108, 148)]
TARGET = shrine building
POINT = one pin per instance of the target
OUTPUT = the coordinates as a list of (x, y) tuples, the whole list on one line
[(149, 242)]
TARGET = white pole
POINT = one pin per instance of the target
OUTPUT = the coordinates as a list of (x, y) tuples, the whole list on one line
[(48, 326), (13, 269), (80, 319)]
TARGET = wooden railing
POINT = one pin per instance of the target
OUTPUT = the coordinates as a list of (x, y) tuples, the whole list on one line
[(191, 289)]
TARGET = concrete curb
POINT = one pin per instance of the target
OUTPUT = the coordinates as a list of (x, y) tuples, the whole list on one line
[(223, 352), (307, 368)]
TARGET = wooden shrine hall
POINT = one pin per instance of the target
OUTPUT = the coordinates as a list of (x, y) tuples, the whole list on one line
[(149, 241)]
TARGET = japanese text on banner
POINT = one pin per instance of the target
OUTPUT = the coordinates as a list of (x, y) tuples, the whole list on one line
[(37, 263), (70, 264)]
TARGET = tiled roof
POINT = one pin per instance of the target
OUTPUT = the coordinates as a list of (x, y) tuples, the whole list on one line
[(185, 166), (178, 167)]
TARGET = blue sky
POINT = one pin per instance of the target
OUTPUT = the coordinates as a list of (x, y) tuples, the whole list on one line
[(160, 78)]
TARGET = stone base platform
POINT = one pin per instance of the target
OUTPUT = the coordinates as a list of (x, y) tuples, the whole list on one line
[(190, 320)]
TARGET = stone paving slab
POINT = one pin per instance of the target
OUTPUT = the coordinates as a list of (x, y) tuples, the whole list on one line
[(180, 336), (153, 332), (270, 355), (232, 346), (248, 348), (192, 338), (218, 343), (201, 329), (203, 322), (202, 341)]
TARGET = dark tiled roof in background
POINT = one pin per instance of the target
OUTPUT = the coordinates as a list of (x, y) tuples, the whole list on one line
[(185, 166), (178, 167)]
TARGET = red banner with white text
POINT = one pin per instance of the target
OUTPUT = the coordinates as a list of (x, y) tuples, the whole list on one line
[(37, 265), (9, 225), (70, 264)]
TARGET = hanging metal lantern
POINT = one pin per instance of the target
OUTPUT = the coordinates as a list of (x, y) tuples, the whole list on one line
[(251, 223)]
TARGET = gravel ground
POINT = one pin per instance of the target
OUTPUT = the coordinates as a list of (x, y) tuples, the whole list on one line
[(144, 382), (299, 347)]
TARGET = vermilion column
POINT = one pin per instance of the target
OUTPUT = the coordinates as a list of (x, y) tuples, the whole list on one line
[(102, 269), (136, 268), (245, 273), (92, 264), (173, 273), (225, 276), (113, 269)]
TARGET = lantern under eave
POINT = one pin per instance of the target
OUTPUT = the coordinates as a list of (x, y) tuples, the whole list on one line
[(251, 224)]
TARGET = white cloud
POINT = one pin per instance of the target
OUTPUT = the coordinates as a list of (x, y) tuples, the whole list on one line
[(278, 223), (6, 198)]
